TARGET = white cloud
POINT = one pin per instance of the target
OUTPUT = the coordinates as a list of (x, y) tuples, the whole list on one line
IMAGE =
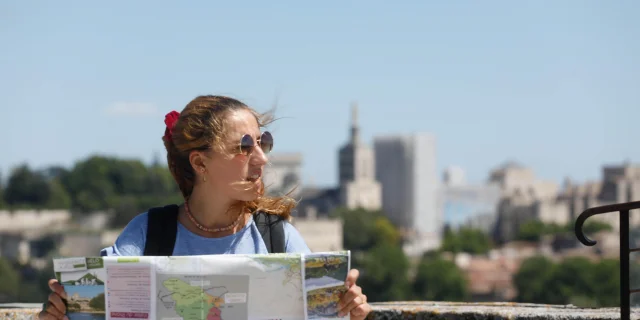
[(131, 109)]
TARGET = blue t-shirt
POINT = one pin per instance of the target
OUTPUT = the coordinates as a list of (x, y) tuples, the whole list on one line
[(131, 241)]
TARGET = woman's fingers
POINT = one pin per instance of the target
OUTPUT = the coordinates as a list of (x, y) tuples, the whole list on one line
[(55, 305), (56, 287)]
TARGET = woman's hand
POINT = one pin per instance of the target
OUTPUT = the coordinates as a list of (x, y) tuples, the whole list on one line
[(353, 301), (55, 307)]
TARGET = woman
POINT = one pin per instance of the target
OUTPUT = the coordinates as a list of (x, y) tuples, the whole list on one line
[(216, 153)]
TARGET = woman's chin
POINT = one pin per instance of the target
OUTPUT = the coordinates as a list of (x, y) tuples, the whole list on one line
[(249, 195), (248, 192)]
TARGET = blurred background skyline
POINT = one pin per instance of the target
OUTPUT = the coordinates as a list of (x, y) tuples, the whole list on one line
[(551, 86), (448, 185)]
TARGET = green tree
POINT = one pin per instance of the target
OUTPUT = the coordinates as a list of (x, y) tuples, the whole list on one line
[(55, 172), (34, 284), (160, 181), (359, 228), (466, 239), (9, 282), (384, 274), (126, 186), (58, 197), (125, 208), (43, 246), (575, 280), (128, 176), (450, 241), (365, 229), (39, 281), (532, 280), (531, 231), (30, 292), (97, 302), (438, 279), (2, 204), (375, 243), (573, 277), (591, 227), (606, 277), (385, 232), (90, 185), (26, 187)]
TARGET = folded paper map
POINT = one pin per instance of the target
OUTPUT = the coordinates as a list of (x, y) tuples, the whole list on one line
[(213, 287)]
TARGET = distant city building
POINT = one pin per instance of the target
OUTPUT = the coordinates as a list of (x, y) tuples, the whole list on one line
[(320, 234), (317, 202), (468, 205), (283, 174), (406, 168), (356, 176), (620, 183), (357, 187), (525, 198), (27, 236)]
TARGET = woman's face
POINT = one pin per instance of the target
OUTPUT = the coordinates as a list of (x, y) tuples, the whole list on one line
[(237, 175)]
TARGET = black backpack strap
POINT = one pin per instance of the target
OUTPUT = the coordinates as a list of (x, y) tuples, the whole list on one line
[(161, 231), (271, 227)]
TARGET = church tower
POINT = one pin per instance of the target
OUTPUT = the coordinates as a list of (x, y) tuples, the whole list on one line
[(356, 166)]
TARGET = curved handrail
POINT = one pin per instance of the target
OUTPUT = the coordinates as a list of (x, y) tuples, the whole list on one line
[(600, 210), (623, 209)]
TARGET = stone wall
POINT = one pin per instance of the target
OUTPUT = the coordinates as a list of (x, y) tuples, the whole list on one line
[(432, 310), (22, 220), (488, 311)]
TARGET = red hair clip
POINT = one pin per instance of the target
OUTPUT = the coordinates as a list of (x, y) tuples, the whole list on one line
[(170, 120)]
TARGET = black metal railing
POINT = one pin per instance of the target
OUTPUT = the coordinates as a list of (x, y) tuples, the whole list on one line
[(625, 251)]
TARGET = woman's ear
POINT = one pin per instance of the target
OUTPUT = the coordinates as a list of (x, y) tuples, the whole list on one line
[(196, 159)]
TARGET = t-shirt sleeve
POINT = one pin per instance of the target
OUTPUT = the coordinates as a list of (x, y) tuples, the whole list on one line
[(294, 243), (132, 240)]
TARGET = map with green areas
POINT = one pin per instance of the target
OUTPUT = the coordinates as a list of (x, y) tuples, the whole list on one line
[(200, 297), (284, 286)]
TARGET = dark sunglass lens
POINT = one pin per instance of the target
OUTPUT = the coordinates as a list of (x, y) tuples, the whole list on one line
[(266, 142), (246, 144)]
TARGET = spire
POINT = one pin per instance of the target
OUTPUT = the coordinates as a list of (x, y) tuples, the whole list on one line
[(354, 114), (354, 123)]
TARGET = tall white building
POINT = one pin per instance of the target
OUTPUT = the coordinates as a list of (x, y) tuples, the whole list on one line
[(356, 165), (406, 168)]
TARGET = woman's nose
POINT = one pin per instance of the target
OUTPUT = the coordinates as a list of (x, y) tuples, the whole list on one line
[(258, 157)]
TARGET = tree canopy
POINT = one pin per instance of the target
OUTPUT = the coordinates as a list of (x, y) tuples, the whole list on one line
[(98, 183)]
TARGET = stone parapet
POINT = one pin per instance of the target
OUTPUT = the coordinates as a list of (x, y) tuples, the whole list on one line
[(492, 311), (19, 311), (432, 310)]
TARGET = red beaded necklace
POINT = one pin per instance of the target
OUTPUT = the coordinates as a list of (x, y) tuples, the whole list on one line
[(212, 230)]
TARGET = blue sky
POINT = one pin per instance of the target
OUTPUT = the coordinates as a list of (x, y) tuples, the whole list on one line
[(554, 85)]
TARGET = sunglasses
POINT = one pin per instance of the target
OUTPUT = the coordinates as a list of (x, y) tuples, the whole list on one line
[(247, 145)]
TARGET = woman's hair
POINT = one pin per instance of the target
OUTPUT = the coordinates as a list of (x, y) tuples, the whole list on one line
[(202, 126)]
